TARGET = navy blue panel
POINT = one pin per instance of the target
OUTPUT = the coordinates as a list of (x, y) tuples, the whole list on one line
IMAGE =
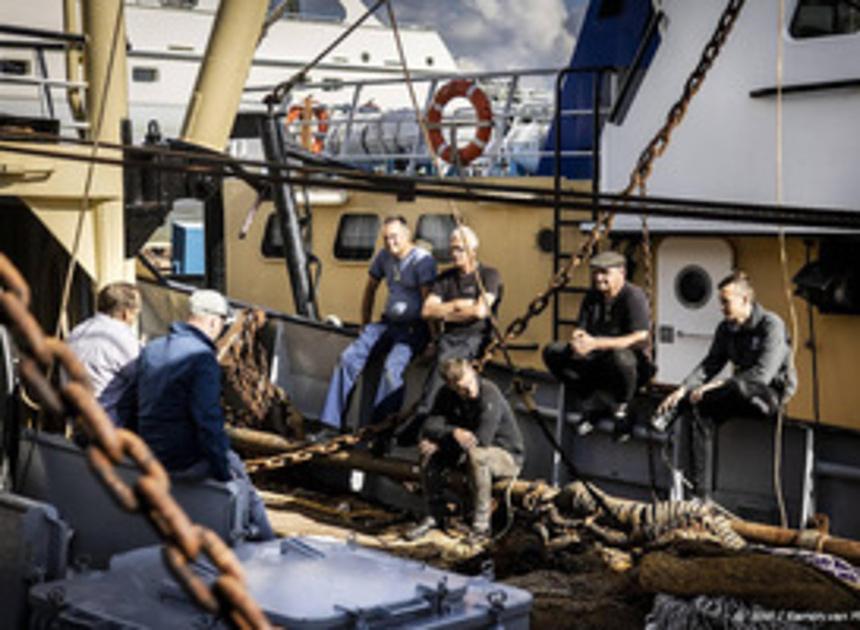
[(610, 36)]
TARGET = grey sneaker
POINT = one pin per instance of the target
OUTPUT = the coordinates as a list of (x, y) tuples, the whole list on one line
[(422, 529), (583, 428), (662, 421)]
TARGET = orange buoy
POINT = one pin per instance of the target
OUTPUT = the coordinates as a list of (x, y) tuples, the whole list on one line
[(479, 100)]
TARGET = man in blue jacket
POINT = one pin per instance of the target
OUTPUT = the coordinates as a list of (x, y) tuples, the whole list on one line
[(179, 403)]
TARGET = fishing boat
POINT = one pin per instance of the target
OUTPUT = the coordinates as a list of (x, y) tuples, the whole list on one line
[(730, 188)]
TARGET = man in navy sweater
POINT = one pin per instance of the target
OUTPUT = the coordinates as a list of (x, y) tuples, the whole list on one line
[(179, 403)]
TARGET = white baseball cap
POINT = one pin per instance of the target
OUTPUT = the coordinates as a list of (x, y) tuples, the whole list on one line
[(209, 302)]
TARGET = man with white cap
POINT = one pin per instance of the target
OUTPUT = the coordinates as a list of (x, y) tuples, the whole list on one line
[(607, 354), (179, 402)]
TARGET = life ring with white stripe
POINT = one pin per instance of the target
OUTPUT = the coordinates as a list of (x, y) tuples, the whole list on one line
[(319, 112), (479, 100)]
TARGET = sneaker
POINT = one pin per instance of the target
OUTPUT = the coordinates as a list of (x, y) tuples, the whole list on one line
[(662, 421), (584, 427), (623, 427), (427, 524)]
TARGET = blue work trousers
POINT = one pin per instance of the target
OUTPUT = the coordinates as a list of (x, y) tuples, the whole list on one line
[(401, 341)]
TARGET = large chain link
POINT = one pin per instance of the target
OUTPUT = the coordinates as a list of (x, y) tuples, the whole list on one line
[(185, 542), (248, 392), (638, 178)]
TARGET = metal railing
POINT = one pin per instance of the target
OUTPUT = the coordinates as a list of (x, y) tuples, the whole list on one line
[(498, 157)]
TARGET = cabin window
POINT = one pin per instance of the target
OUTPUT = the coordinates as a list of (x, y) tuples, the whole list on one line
[(18, 67), (693, 287), (436, 229), (429, 61), (820, 18), (365, 57), (179, 4), (356, 236), (325, 10), (144, 75)]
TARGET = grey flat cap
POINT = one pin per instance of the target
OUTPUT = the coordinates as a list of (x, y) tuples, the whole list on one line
[(208, 302), (607, 259)]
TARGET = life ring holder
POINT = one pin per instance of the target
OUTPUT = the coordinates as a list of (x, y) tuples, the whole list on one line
[(483, 110), (320, 113)]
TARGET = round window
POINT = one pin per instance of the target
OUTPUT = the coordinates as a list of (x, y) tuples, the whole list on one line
[(693, 286)]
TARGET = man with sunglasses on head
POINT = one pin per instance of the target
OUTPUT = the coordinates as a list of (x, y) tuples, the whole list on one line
[(459, 308), (606, 358), (179, 403), (755, 342)]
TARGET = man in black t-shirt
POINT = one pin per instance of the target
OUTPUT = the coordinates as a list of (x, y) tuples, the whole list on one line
[(459, 309), (607, 355), (472, 426)]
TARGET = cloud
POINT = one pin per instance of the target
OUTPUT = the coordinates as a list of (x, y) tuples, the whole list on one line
[(500, 34)]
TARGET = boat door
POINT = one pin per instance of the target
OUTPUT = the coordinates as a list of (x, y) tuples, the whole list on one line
[(688, 308)]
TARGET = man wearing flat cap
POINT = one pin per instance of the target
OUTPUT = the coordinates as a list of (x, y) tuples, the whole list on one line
[(606, 357)]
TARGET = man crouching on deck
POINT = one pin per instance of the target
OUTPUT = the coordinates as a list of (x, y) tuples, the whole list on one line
[(471, 425)]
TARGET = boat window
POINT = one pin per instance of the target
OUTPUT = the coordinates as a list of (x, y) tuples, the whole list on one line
[(18, 67), (356, 236), (324, 10), (179, 4), (365, 56), (429, 61), (820, 18), (144, 75), (436, 229), (693, 287)]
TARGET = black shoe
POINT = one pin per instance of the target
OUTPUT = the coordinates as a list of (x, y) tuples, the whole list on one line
[(427, 524), (623, 425), (407, 434)]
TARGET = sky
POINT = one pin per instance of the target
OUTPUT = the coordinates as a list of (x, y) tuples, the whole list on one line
[(486, 35)]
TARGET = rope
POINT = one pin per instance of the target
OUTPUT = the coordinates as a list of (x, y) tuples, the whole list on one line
[(783, 261)]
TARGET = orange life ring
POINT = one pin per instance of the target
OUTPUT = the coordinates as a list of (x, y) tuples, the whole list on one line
[(479, 100), (296, 112)]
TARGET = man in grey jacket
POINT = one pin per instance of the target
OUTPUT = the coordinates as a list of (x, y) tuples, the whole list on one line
[(755, 342)]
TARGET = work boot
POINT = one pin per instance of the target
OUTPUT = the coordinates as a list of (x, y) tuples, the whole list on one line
[(427, 524)]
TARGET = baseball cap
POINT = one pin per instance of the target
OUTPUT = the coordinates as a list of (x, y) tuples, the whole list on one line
[(607, 259), (209, 302)]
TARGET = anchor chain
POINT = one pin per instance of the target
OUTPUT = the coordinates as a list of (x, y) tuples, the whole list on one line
[(638, 179), (185, 542)]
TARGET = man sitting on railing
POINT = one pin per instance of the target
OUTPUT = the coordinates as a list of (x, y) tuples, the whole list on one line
[(408, 272), (607, 355), (179, 403), (755, 342), (471, 425), (460, 304)]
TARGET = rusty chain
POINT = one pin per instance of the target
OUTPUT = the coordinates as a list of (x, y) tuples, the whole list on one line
[(638, 178), (185, 542), (248, 393)]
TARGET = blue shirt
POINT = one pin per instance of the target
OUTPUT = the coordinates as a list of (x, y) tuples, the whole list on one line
[(179, 401), (404, 279)]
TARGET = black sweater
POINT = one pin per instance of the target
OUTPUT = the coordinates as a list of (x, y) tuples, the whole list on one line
[(489, 417)]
